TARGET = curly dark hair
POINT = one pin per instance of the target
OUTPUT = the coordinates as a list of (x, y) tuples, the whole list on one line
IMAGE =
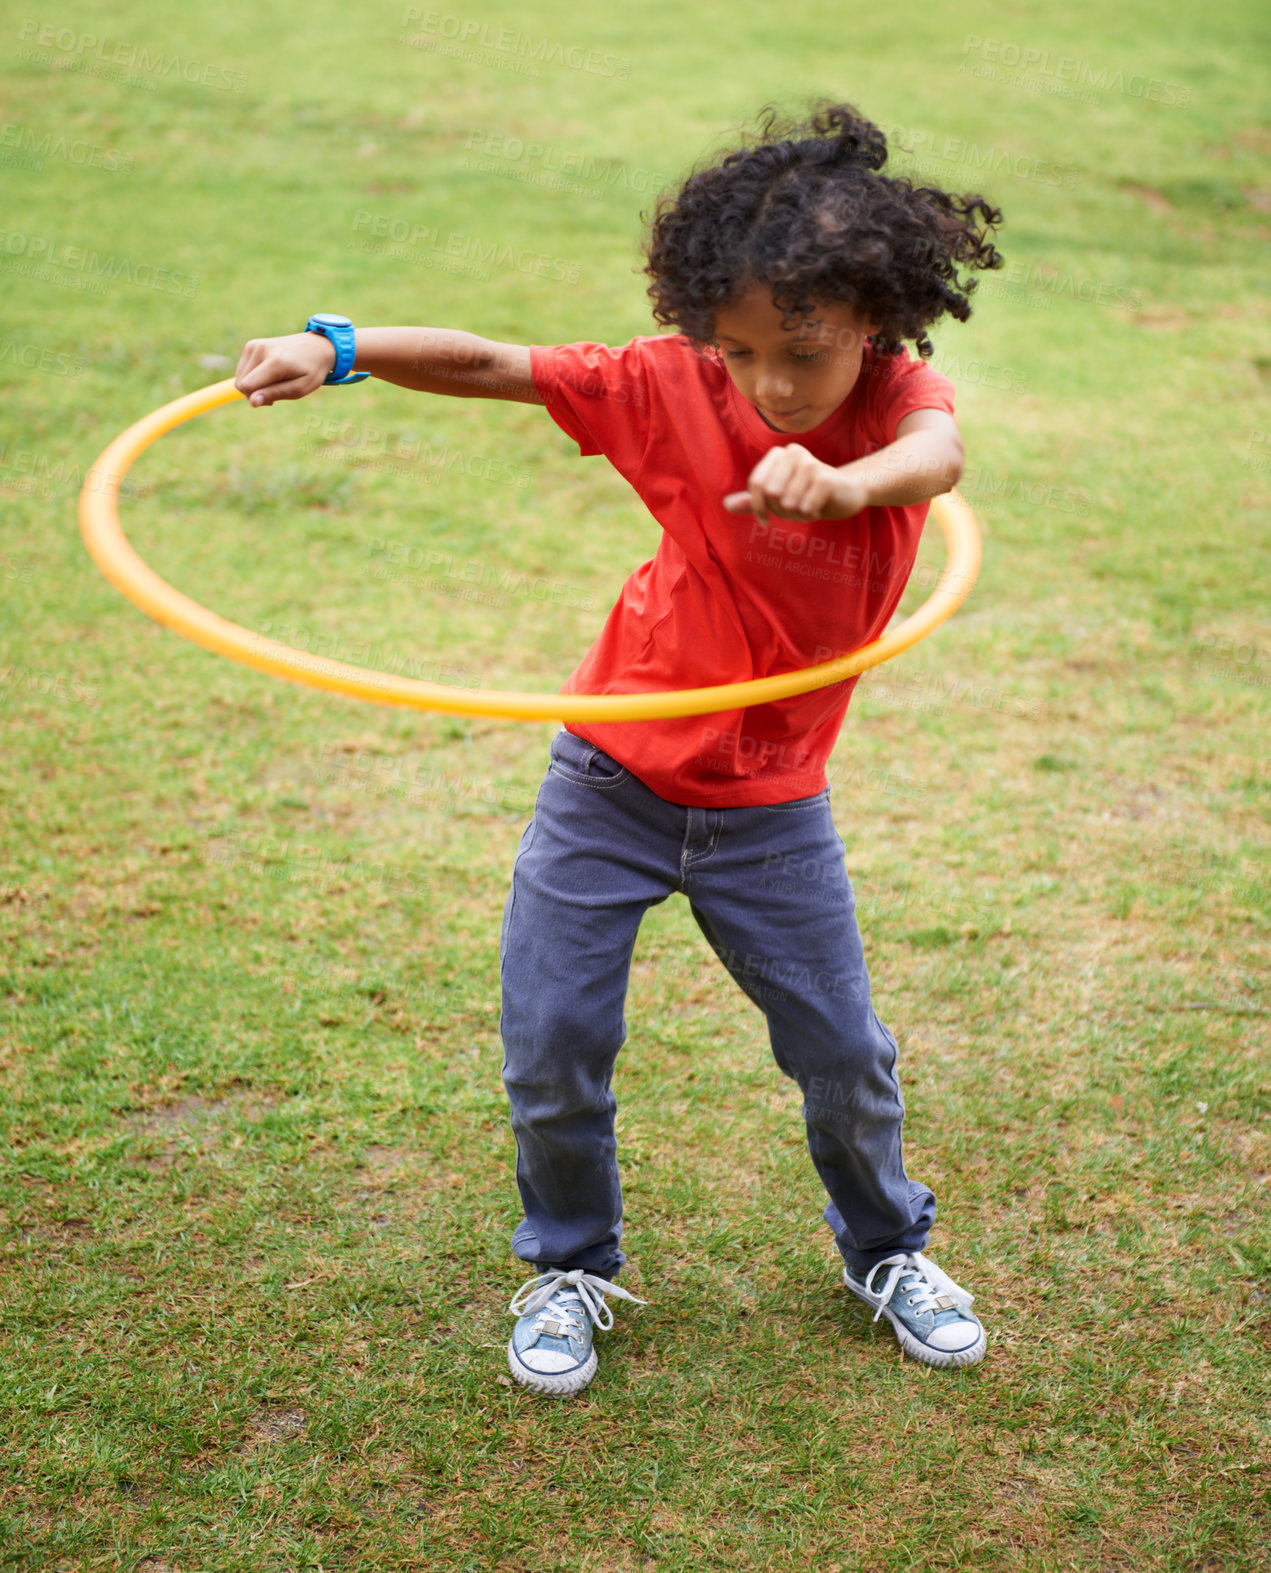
[(802, 208)]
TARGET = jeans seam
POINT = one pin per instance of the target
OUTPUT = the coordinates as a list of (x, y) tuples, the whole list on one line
[(794, 807), (596, 783), (526, 840)]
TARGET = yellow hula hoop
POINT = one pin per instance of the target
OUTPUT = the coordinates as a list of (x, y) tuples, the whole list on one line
[(111, 551)]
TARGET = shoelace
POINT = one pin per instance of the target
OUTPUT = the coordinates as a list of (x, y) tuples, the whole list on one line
[(585, 1290), (927, 1287)]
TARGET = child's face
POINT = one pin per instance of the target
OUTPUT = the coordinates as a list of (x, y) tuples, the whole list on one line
[(795, 377)]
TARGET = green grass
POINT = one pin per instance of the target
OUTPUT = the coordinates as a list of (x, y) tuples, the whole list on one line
[(257, 1185)]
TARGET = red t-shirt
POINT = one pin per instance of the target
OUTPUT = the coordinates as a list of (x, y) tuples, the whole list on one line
[(727, 598)]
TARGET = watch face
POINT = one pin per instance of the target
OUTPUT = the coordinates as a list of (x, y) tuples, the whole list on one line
[(331, 319)]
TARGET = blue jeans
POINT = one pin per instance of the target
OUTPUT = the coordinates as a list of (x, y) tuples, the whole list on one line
[(769, 890)]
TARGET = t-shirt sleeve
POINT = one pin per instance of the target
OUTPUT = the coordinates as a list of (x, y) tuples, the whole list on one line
[(598, 396), (912, 385)]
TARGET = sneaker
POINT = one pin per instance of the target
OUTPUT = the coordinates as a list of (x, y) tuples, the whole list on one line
[(926, 1308), (550, 1348)]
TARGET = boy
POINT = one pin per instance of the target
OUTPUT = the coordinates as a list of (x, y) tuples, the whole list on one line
[(788, 446)]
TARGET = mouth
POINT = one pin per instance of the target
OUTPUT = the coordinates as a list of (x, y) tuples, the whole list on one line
[(780, 415)]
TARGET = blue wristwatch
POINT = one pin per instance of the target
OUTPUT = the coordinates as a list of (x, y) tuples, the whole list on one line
[(340, 331)]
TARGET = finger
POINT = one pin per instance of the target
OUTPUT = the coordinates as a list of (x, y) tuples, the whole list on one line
[(786, 495), (798, 468), (811, 497), (792, 494), (805, 483), (744, 502), (249, 359), (804, 508), (264, 372), (293, 388), (763, 499), (769, 480), (764, 471)]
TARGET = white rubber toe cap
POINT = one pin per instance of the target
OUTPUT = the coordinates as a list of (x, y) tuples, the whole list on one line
[(953, 1336), (545, 1362)]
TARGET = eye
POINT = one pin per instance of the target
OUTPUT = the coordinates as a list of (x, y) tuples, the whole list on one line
[(735, 354)]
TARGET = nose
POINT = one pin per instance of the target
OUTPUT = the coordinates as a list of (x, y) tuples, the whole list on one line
[(773, 385)]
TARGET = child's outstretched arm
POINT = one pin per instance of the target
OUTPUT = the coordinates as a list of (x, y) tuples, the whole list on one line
[(430, 360), (924, 461)]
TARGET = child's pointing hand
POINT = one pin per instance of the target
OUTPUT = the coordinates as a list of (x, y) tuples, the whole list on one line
[(791, 483)]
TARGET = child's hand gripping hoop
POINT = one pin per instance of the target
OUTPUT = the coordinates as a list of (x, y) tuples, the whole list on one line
[(110, 550)]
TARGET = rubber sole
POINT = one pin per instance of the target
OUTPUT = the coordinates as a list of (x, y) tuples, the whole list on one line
[(560, 1386), (917, 1350)]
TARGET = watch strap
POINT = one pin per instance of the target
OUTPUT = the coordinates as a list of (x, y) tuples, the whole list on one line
[(342, 337)]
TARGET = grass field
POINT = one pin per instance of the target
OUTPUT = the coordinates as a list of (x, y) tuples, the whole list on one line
[(257, 1175)]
